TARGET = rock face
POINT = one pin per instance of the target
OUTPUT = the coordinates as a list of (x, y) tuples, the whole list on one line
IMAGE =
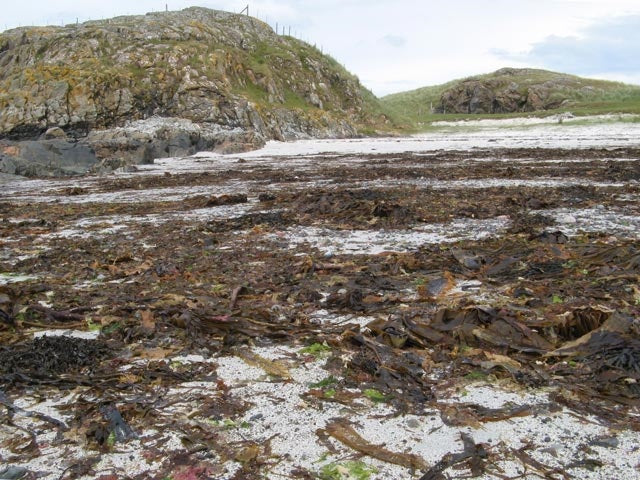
[(142, 141), (227, 75), (510, 90), (46, 158), (138, 142)]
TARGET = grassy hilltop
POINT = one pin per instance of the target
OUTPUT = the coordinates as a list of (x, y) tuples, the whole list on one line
[(512, 92)]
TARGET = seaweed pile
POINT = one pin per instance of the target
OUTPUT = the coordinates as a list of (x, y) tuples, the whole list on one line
[(192, 333)]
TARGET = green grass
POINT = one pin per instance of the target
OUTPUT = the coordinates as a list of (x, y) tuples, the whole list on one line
[(252, 93), (476, 375), (330, 380), (352, 470), (293, 100), (316, 349), (374, 395), (330, 393)]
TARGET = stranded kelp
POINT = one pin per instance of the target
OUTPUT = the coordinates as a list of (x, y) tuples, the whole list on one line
[(198, 320), (568, 319)]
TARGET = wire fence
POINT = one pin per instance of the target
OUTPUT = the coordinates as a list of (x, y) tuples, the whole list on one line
[(282, 29)]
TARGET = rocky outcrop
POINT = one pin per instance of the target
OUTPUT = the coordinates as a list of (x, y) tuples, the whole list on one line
[(144, 140), (131, 89), (138, 142), (510, 90), (203, 65)]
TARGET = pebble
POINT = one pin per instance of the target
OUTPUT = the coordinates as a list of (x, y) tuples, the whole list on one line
[(566, 219), (607, 442)]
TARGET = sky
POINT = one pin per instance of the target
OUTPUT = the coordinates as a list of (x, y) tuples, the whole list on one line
[(398, 45)]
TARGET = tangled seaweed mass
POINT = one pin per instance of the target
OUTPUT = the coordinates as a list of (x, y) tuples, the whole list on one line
[(405, 315)]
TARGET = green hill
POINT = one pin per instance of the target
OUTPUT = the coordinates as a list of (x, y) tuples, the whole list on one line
[(510, 92)]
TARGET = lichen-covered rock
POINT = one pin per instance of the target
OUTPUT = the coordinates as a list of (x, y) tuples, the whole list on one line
[(210, 67)]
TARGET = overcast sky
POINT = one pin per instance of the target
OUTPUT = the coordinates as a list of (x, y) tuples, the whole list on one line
[(396, 45)]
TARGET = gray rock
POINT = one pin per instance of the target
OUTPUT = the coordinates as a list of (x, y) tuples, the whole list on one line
[(8, 178), (104, 95), (12, 473), (605, 441), (137, 143), (46, 158), (143, 141)]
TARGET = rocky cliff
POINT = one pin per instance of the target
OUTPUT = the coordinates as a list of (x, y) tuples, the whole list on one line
[(220, 75)]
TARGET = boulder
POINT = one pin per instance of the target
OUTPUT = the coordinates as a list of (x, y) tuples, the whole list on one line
[(46, 158), (8, 178), (468, 97)]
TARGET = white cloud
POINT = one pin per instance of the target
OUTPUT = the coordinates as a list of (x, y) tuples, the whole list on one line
[(395, 41), (610, 47)]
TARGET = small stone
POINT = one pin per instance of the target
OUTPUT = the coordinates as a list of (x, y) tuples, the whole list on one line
[(266, 197), (606, 442), (13, 473), (567, 219), (54, 133), (413, 423)]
